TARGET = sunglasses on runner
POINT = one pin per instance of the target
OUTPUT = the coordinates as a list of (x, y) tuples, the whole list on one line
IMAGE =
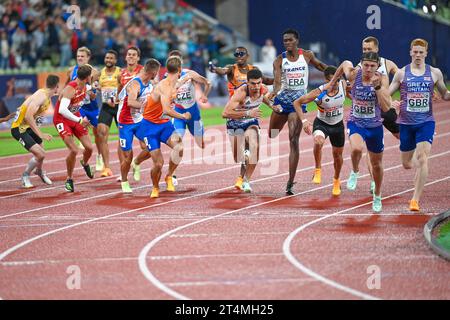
[(240, 54)]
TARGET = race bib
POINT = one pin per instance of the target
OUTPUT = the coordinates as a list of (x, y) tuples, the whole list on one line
[(16, 117), (184, 97), (333, 113), (364, 109), (418, 102), (295, 80), (108, 93)]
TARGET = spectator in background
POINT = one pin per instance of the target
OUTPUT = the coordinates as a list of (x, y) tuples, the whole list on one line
[(65, 37), (268, 52), (198, 63), (4, 50)]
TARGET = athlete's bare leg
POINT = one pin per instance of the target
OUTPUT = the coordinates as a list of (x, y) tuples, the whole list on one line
[(125, 164), (252, 139), (88, 148), (238, 146), (338, 161), (71, 157), (319, 140), (97, 140), (103, 134), (37, 159), (277, 122), (176, 155), (158, 162), (143, 155), (423, 150), (377, 169), (295, 128), (357, 146)]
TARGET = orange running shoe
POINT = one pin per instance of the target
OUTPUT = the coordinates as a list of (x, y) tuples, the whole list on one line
[(106, 172), (336, 187), (169, 183), (155, 193), (317, 178), (238, 183), (414, 205)]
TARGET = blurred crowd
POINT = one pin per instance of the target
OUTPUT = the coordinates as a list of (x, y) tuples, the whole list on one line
[(43, 32)]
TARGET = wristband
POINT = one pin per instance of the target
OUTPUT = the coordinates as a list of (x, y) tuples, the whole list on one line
[(80, 121), (377, 87)]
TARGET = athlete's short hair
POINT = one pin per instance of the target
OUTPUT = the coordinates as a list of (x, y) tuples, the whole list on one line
[(254, 74), (329, 71), (84, 72), (52, 81), (85, 49), (370, 56), (371, 39), (151, 64), (114, 52), (135, 49), (293, 32), (173, 64), (176, 53), (419, 42)]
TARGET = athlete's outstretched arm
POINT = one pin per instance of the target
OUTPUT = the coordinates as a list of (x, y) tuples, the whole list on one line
[(304, 100), (166, 101), (223, 71), (8, 117), (230, 112), (346, 68), (267, 101), (383, 92), (132, 92), (391, 66), (36, 101), (319, 65), (440, 84), (202, 80), (395, 84), (277, 76)]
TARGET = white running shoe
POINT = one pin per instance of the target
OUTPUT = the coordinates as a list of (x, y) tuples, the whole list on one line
[(174, 180), (26, 183), (246, 187), (43, 175), (352, 180)]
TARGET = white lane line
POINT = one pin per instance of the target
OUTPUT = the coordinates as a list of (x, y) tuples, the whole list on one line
[(11, 264), (147, 186), (187, 177), (287, 246), (142, 263), (191, 162), (40, 236), (145, 251), (303, 137), (158, 258), (243, 281), (30, 240)]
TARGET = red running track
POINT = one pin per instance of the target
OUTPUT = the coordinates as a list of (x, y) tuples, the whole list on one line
[(209, 241)]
